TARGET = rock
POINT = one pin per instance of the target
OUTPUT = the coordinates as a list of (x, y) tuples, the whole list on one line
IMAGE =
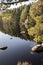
[(37, 48), (24, 63), (3, 47), (42, 44), (22, 32), (11, 38)]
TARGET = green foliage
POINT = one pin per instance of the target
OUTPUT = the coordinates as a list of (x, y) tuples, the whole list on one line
[(25, 18), (36, 12), (23, 14)]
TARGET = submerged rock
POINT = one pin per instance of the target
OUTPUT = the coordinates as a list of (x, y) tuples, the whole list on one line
[(11, 38), (37, 48), (3, 48), (24, 63)]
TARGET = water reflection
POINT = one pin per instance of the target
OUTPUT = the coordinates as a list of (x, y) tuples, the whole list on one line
[(14, 29), (18, 50), (19, 47)]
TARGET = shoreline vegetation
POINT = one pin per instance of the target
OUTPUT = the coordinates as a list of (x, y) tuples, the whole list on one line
[(27, 18)]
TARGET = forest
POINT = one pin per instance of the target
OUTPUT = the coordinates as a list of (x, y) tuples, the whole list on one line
[(28, 18)]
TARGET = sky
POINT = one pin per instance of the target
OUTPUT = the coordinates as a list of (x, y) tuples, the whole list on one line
[(14, 0), (18, 5)]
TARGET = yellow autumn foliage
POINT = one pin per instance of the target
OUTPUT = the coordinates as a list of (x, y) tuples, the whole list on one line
[(6, 18), (37, 38)]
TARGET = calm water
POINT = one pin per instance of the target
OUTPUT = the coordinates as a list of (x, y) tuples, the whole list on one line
[(18, 50)]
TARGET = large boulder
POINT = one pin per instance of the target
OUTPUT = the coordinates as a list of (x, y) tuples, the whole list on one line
[(37, 48)]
